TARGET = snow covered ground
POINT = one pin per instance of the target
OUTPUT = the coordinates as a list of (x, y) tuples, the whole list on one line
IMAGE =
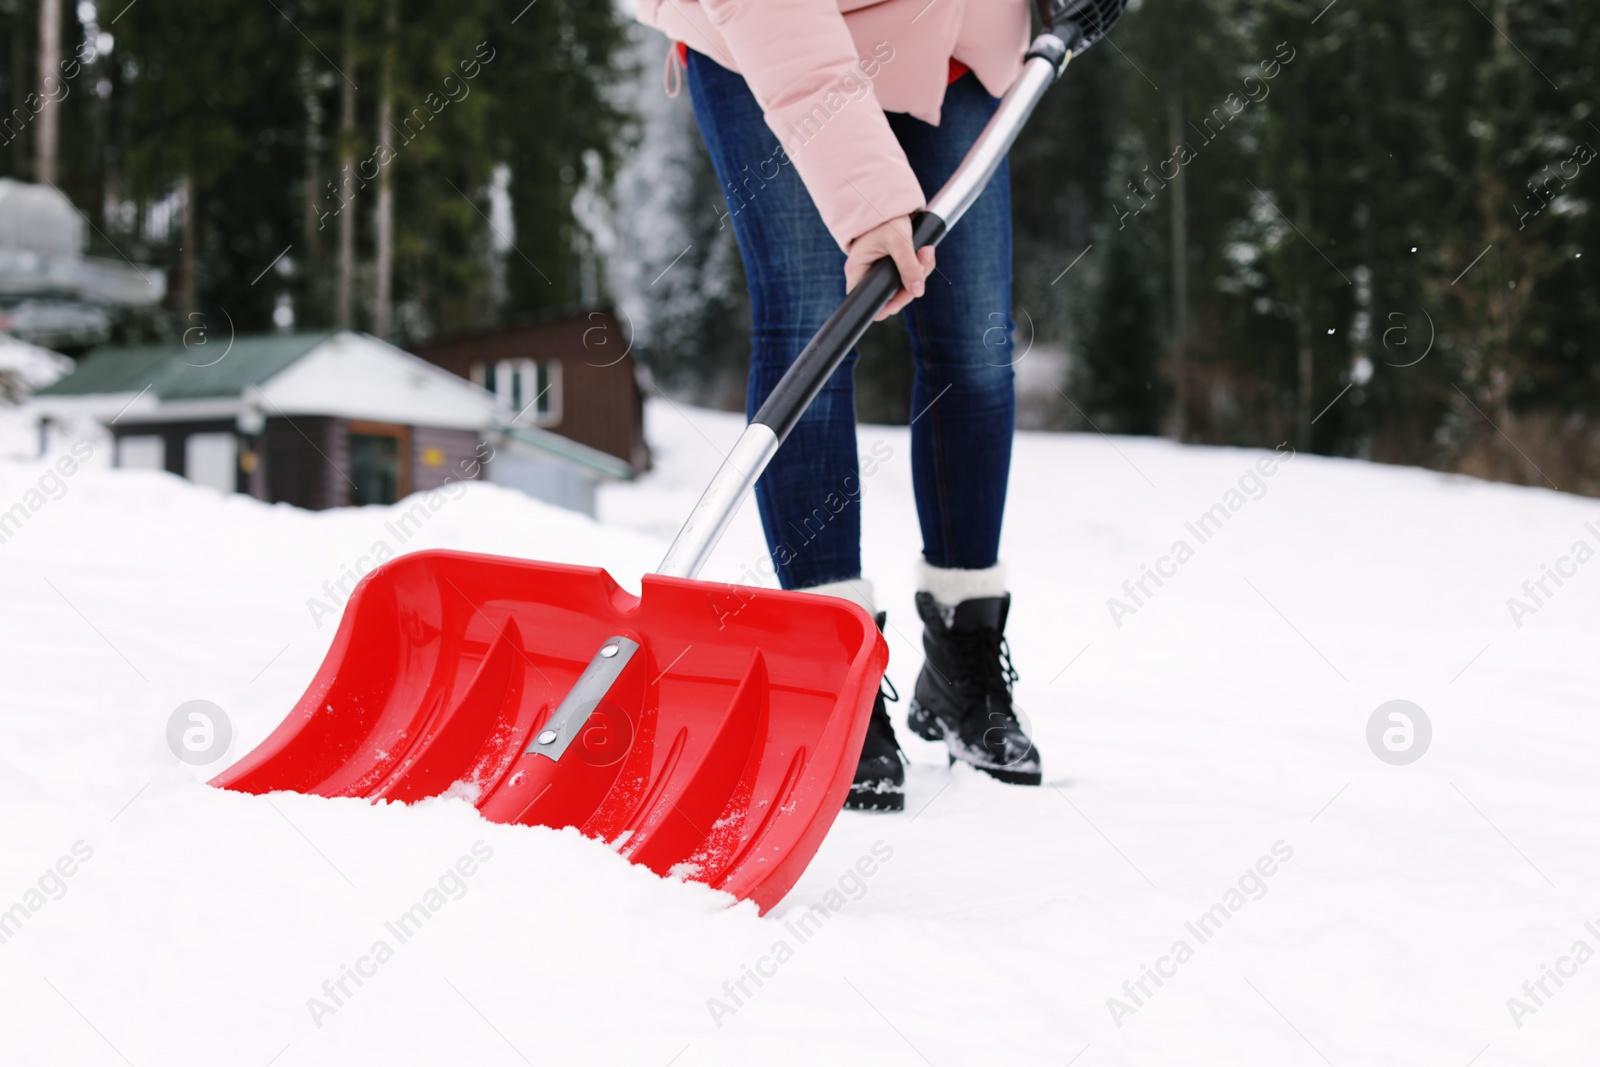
[(1213, 814)]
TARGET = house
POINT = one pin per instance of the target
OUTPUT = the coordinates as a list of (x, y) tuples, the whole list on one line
[(317, 420), (573, 375)]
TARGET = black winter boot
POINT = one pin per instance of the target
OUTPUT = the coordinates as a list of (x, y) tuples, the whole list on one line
[(880, 783), (963, 695)]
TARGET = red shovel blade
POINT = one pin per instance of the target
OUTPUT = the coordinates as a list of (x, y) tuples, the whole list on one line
[(721, 753)]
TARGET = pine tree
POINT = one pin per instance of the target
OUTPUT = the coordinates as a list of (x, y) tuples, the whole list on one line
[(1118, 387)]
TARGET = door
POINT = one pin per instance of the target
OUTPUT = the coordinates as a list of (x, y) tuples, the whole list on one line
[(212, 460), (379, 461)]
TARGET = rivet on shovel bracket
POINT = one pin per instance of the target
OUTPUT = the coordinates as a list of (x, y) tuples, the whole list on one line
[(584, 696)]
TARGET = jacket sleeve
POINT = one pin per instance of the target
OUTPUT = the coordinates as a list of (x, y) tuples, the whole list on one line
[(801, 63)]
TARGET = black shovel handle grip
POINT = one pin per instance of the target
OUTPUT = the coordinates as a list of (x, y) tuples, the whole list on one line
[(825, 351)]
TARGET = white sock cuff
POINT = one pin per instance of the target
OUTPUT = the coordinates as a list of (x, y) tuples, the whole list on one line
[(856, 590), (951, 585)]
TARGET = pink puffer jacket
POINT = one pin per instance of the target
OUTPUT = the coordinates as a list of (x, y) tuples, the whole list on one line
[(825, 71)]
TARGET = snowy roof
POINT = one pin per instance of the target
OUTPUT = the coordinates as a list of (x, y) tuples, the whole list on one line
[(41, 254), (39, 219), (337, 373)]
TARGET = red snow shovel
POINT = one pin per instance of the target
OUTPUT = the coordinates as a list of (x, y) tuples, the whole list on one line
[(706, 731)]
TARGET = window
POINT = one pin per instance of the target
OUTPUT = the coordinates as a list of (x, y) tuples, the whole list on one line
[(543, 387), (526, 389), (508, 376), (212, 460), (144, 452)]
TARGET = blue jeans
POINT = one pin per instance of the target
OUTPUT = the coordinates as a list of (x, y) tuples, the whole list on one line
[(963, 403)]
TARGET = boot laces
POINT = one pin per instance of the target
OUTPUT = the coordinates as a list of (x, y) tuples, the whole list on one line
[(879, 711), (987, 673), (880, 714)]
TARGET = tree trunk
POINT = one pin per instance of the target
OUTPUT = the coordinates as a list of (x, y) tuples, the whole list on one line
[(187, 300), (19, 93), (1180, 267), (44, 145), (383, 294), (1303, 338), (1302, 408), (347, 164), (314, 192)]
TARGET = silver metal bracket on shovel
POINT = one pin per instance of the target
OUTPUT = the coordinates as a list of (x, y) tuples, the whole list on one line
[(584, 696)]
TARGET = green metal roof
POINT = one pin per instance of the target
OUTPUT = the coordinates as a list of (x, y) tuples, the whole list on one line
[(195, 371)]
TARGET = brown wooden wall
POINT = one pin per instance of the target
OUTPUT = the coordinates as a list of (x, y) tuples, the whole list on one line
[(303, 460), (601, 405), (456, 453)]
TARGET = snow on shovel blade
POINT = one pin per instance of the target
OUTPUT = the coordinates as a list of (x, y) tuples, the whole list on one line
[(719, 746)]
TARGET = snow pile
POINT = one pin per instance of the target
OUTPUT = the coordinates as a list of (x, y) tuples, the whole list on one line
[(29, 365), (1219, 870)]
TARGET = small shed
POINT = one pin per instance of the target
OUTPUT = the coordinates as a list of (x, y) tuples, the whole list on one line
[(573, 375), (317, 420)]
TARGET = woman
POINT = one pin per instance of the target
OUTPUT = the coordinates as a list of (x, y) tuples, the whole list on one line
[(829, 123)]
